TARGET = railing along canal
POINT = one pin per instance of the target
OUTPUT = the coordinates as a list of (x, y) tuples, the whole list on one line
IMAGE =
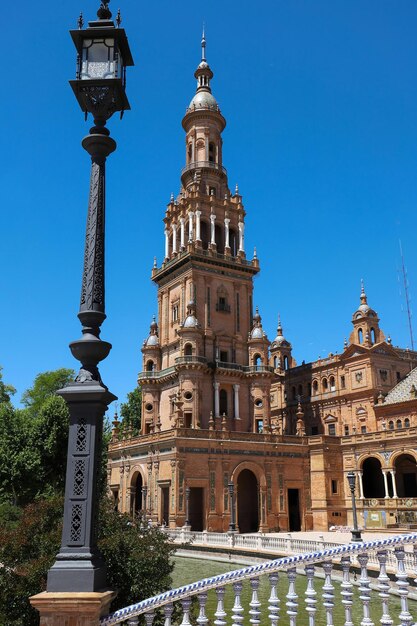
[(241, 614)]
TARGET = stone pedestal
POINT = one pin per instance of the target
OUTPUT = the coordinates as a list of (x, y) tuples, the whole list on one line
[(72, 609)]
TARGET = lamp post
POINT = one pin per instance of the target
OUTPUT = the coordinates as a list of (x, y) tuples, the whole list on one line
[(102, 56), (232, 525), (187, 506), (356, 533)]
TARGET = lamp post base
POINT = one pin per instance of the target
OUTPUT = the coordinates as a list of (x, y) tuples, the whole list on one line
[(356, 536), (77, 609)]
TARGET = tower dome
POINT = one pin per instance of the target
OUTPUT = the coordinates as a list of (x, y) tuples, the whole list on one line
[(153, 339), (280, 339), (203, 98)]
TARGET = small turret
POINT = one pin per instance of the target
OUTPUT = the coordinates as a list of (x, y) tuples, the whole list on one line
[(281, 356), (365, 322)]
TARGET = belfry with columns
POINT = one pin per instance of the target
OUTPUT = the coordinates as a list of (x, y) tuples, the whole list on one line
[(228, 418)]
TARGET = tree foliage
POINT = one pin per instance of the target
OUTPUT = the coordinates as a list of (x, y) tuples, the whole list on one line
[(131, 412), (137, 557), (6, 391), (44, 386)]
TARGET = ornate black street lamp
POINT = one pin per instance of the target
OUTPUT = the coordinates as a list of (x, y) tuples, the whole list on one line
[(232, 525), (187, 506), (356, 533), (102, 56)]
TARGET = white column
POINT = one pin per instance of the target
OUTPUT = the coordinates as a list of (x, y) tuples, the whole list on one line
[(166, 231), (174, 238), (384, 474), (216, 399), (241, 226), (360, 485), (182, 226), (226, 232), (197, 225), (213, 228), (190, 225), (394, 484), (236, 392)]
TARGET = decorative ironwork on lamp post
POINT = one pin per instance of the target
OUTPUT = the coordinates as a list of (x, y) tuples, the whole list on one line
[(102, 55), (356, 533), (232, 525)]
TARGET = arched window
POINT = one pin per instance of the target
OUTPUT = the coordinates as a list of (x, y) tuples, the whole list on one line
[(309, 389), (275, 362), (373, 480), (373, 336), (406, 423), (212, 152), (150, 366), (390, 425), (223, 401), (286, 362), (294, 393), (190, 152), (188, 349), (300, 390), (315, 387), (233, 241), (324, 385), (399, 424), (257, 360), (360, 335), (218, 232), (204, 233), (332, 383)]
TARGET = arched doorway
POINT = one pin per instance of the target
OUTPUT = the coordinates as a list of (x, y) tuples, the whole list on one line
[(136, 495), (247, 502), (406, 476), (373, 481)]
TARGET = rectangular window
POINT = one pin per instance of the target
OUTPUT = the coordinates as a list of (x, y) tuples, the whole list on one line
[(346, 430), (237, 313), (259, 426), (224, 356), (334, 487), (208, 307), (398, 377), (332, 429), (314, 430), (363, 430), (175, 312), (342, 382)]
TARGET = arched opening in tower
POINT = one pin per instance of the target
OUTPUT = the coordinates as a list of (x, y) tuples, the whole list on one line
[(233, 241), (204, 234), (247, 502), (137, 505), (219, 239), (406, 476), (373, 481)]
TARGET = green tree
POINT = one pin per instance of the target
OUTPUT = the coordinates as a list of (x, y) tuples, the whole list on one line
[(44, 386), (5, 390), (137, 557), (131, 412)]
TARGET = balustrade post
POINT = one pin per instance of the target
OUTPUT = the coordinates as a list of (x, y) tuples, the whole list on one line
[(168, 610), (292, 604), (220, 613), (347, 588), (133, 621), (365, 592), (383, 586), (254, 603), (237, 610), (310, 594), (186, 605), (273, 602), (202, 617), (402, 584), (328, 592), (149, 617)]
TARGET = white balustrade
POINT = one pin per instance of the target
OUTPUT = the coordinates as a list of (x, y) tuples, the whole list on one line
[(253, 610)]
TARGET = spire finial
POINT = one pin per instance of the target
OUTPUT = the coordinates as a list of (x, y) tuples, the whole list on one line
[(118, 18), (279, 329), (203, 44), (80, 21), (104, 12), (363, 294), (154, 263)]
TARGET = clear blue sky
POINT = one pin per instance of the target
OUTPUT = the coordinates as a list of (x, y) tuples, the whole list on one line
[(320, 99)]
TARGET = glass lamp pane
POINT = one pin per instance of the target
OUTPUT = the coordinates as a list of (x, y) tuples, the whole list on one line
[(98, 59)]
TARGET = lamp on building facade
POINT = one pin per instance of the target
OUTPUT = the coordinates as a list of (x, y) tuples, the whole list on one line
[(356, 533), (102, 55), (232, 525)]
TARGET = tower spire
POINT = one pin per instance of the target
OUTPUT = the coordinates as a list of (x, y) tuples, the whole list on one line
[(203, 44)]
